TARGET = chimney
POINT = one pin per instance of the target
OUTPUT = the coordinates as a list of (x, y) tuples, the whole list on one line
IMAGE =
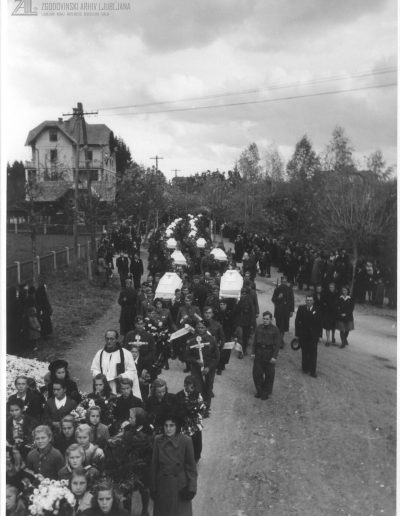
[(60, 119)]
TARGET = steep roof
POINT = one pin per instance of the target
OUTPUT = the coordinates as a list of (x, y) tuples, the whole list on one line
[(50, 191), (97, 134)]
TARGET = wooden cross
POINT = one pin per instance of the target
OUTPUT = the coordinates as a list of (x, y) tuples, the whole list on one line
[(200, 345), (138, 342)]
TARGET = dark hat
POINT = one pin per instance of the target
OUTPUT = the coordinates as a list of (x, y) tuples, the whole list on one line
[(57, 364), (295, 344), (139, 318)]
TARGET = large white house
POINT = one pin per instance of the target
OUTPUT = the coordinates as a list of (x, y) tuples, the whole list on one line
[(54, 145)]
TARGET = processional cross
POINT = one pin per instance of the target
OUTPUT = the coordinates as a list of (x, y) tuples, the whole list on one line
[(200, 345)]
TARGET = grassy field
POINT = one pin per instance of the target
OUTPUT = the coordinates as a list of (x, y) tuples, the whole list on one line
[(19, 246)]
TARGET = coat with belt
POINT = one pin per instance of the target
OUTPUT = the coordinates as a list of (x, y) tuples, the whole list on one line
[(173, 468)]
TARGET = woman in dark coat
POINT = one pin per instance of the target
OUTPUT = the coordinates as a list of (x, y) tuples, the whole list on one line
[(344, 315), (328, 308), (173, 472)]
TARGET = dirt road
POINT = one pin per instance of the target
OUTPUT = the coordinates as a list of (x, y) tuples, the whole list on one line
[(318, 447)]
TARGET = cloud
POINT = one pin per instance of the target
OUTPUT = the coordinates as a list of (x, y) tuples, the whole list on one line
[(175, 49)]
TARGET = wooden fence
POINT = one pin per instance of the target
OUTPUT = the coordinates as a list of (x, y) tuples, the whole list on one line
[(22, 272)]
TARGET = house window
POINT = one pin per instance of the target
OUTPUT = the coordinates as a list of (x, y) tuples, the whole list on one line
[(94, 174), (53, 155), (53, 135), (90, 155)]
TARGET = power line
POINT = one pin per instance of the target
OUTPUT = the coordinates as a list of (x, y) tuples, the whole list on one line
[(262, 101), (276, 86)]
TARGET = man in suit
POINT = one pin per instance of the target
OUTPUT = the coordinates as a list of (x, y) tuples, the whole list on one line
[(136, 269), (308, 329), (59, 405), (283, 299), (122, 264)]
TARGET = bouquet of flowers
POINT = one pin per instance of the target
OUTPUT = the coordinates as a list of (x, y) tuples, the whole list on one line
[(49, 497), (31, 368), (193, 420), (161, 336), (79, 413)]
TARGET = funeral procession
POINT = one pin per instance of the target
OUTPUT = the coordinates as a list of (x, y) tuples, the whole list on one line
[(200, 228)]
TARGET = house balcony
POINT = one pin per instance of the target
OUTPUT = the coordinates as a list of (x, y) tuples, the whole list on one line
[(30, 165)]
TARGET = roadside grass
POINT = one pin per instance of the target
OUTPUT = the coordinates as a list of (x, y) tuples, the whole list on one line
[(19, 245), (77, 303)]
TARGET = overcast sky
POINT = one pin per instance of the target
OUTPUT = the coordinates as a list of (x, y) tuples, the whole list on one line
[(169, 50)]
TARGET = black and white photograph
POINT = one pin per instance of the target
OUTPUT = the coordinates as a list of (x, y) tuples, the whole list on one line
[(199, 226)]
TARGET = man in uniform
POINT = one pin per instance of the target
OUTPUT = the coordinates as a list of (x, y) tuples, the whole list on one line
[(267, 341), (145, 340), (203, 359), (308, 329)]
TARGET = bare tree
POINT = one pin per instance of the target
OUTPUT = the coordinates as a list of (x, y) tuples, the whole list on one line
[(356, 207)]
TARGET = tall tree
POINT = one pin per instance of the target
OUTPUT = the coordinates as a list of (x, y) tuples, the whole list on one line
[(250, 170), (274, 165), (15, 183), (356, 207), (338, 155), (304, 163), (141, 195), (123, 157), (377, 165)]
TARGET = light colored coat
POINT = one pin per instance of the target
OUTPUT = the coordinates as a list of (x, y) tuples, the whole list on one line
[(173, 468)]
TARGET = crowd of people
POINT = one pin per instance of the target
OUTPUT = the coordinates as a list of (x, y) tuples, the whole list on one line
[(130, 433), (29, 314), (306, 266)]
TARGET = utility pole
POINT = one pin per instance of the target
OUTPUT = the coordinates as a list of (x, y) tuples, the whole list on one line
[(157, 158), (78, 115), (176, 171)]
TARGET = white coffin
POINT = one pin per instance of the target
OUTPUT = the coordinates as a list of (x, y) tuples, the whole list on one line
[(219, 255), (231, 284), (167, 285), (201, 243), (171, 243), (178, 258)]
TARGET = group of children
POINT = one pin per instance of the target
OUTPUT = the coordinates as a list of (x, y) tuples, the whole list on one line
[(90, 440)]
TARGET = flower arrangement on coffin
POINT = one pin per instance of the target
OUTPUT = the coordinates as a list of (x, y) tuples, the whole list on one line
[(31, 368), (49, 497), (193, 422)]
